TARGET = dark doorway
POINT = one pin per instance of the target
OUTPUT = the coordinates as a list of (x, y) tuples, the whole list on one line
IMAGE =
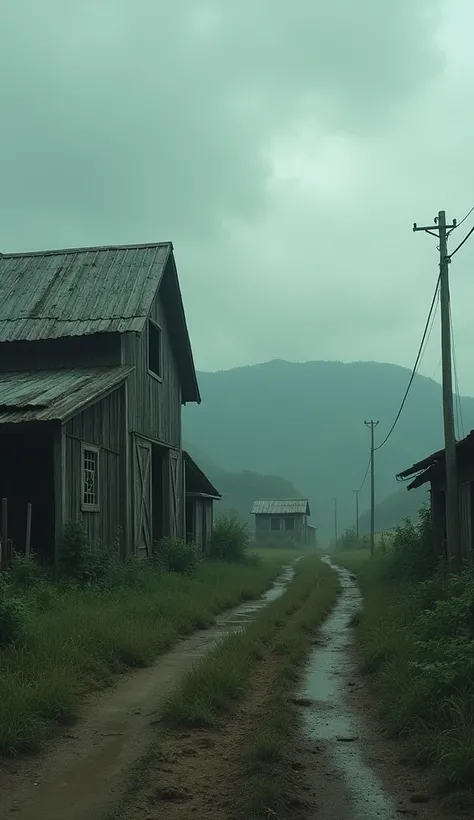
[(27, 475)]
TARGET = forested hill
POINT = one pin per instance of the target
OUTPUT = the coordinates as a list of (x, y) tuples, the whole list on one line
[(305, 422)]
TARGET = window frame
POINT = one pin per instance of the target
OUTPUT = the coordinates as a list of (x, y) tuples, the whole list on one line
[(157, 376), (293, 527), (275, 529), (92, 448)]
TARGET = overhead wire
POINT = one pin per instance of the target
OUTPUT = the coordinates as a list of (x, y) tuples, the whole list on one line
[(424, 340), (365, 475), (450, 255)]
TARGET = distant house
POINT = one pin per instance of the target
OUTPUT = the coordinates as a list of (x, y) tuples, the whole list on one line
[(200, 497), (432, 470), (281, 518), (95, 363)]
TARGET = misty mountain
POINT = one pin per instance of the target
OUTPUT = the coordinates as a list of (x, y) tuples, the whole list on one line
[(392, 510), (305, 421), (239, 490)]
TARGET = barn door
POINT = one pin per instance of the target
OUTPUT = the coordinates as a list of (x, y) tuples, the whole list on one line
[(175, 500), (142, 498), (465, 519)]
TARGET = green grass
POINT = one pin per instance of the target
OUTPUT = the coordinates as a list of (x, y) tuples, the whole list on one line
[(416, 638), (266, 759), (81, 638), (281, 636)]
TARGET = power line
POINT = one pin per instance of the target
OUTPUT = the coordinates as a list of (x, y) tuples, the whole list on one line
[(426, 333), (365, 477), (450, 255), (458, 224)]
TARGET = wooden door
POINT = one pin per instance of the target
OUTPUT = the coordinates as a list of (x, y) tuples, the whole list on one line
[(175, 500), (142, 498)]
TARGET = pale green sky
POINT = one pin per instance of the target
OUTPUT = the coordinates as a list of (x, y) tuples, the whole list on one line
[(286, 147)]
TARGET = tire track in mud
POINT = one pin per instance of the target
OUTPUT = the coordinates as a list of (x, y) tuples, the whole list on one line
[(85, 771)]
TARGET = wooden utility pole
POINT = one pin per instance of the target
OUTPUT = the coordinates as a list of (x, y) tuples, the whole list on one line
[(356, 494), (439, 230), (335, 520), (372, 425)]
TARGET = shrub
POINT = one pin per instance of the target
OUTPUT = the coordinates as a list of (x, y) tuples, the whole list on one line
[(80, 562), (411, 556), (230, 540), (13, 620), (25, 570), (177, 555)]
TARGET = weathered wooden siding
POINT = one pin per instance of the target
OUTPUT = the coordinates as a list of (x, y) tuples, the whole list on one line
[(102, 425), (263, 527), (154, 406), (202, 524), (97, 350)]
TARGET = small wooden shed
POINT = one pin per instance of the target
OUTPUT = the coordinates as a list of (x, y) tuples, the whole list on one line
[(281, 519), (432, 471), (200, 497)]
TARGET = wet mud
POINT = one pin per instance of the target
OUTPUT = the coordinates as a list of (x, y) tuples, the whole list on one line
[(351, 770), (84, 773)]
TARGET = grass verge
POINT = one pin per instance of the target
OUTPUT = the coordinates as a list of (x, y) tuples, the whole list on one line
[(417, 640), (280, 639), (78, 639)]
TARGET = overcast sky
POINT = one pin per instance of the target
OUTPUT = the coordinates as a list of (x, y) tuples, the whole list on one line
[(284, 146)]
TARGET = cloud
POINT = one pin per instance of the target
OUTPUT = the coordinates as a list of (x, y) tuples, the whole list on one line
[(285, 148)]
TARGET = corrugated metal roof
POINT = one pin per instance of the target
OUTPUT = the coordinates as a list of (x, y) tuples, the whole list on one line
[(280, 506), (51, 294), (48, 395)]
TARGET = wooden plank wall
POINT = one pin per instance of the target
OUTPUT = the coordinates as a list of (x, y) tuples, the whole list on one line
[(101, 425), (154, 406)]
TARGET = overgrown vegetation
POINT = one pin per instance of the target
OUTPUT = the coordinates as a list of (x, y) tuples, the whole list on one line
[(61, 636), (230, 540), (417, 637), (349, 540)]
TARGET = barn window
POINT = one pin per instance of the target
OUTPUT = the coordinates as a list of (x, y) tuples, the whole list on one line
[(90, 478), (155, 350), (289, 523), (275, 524)]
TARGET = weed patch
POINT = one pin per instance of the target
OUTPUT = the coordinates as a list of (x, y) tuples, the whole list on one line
[(416, 635), (63, 639)]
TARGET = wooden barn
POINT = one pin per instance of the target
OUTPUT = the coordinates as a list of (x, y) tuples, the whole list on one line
[(95, 363), (281, 518), (200, 497), (432, 471)]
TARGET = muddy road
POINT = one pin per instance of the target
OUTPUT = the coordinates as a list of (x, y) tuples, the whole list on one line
[(85, 771), (350, 770)]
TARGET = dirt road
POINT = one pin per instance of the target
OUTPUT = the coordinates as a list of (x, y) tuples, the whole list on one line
[(84, 772), (351, 771)]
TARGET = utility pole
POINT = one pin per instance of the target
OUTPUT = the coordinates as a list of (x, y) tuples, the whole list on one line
[(356, 494), (453, 548), (335, 520), (372, 425)]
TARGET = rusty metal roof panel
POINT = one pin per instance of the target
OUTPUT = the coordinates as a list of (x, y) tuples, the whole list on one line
[(51, 294), (48, 395), (280, 506)]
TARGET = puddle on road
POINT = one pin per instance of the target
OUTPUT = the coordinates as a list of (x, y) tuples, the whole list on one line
[(84, 773), (331, 720)]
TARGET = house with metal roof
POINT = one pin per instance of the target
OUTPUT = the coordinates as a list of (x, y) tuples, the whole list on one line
[(200, 497), (95, 364), (282, 519), (432, 470)]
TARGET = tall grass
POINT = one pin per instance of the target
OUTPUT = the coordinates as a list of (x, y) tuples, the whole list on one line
[(77, 638), (417, 637)]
